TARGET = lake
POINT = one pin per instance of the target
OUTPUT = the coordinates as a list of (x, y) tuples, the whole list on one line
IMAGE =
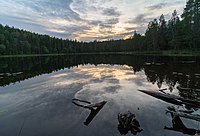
[(36, 94)]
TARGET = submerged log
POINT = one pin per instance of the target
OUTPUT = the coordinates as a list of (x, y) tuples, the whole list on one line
[(87, 104), (93, 107), (178, 125), (170, 98), (178, 113), (96, 105), (165, 97)]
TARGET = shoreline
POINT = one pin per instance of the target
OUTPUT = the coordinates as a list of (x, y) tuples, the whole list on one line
[(147, 53)]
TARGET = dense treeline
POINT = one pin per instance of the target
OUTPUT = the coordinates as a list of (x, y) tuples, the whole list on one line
[(15, 41), (175, 34)]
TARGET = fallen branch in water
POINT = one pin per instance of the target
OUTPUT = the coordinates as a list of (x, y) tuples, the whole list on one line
[(93, 107), (170, 98), (88, 105), (19, 134), (178, 113)]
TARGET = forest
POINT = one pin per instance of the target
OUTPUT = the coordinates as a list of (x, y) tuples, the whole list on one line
[(178, 33)]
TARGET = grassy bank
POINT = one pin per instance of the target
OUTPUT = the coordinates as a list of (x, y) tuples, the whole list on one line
[(157, 53)]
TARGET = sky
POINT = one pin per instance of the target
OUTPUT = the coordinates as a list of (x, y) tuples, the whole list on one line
[(86, 20)]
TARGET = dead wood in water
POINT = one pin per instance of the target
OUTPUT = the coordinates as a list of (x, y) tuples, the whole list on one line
[(178, 113), (170, 98), (128, 122), (188, 89), (93, 107), (178, 125)]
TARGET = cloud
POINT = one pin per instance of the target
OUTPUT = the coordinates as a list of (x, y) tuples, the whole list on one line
[(139, 19), (111, 12), (161, 5), (130, 28), (110, 23), (23, 23), (61, 35), (157, 6), (106, 36), (84, 19), (94, 22), (68, 31), (140, 22)]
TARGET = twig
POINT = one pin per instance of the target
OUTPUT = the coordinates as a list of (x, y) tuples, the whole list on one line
[(21, 127)]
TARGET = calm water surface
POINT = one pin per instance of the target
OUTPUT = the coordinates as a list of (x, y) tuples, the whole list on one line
[(36, 94)]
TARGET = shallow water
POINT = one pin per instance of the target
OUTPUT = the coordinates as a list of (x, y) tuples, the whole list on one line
[(36, 93)]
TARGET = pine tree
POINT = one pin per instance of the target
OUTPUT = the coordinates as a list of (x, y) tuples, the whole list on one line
[(162, 33), (188, 13), (196, 27), (152, 35)]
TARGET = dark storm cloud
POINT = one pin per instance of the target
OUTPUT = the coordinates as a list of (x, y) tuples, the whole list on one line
[(111, 12)]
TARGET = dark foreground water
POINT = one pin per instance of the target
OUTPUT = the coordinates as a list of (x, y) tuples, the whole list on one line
[(36, 94)]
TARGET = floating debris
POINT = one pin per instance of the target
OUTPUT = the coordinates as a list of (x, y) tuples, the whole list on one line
[(159, 64), (147, 63), (8, 74), (18, 73), (128, 122), (188, 62), (188, 76), (175, 73), (180, 74)]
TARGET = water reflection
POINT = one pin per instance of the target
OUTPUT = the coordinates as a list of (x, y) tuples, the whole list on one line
[(116, 79), (159, 70)]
